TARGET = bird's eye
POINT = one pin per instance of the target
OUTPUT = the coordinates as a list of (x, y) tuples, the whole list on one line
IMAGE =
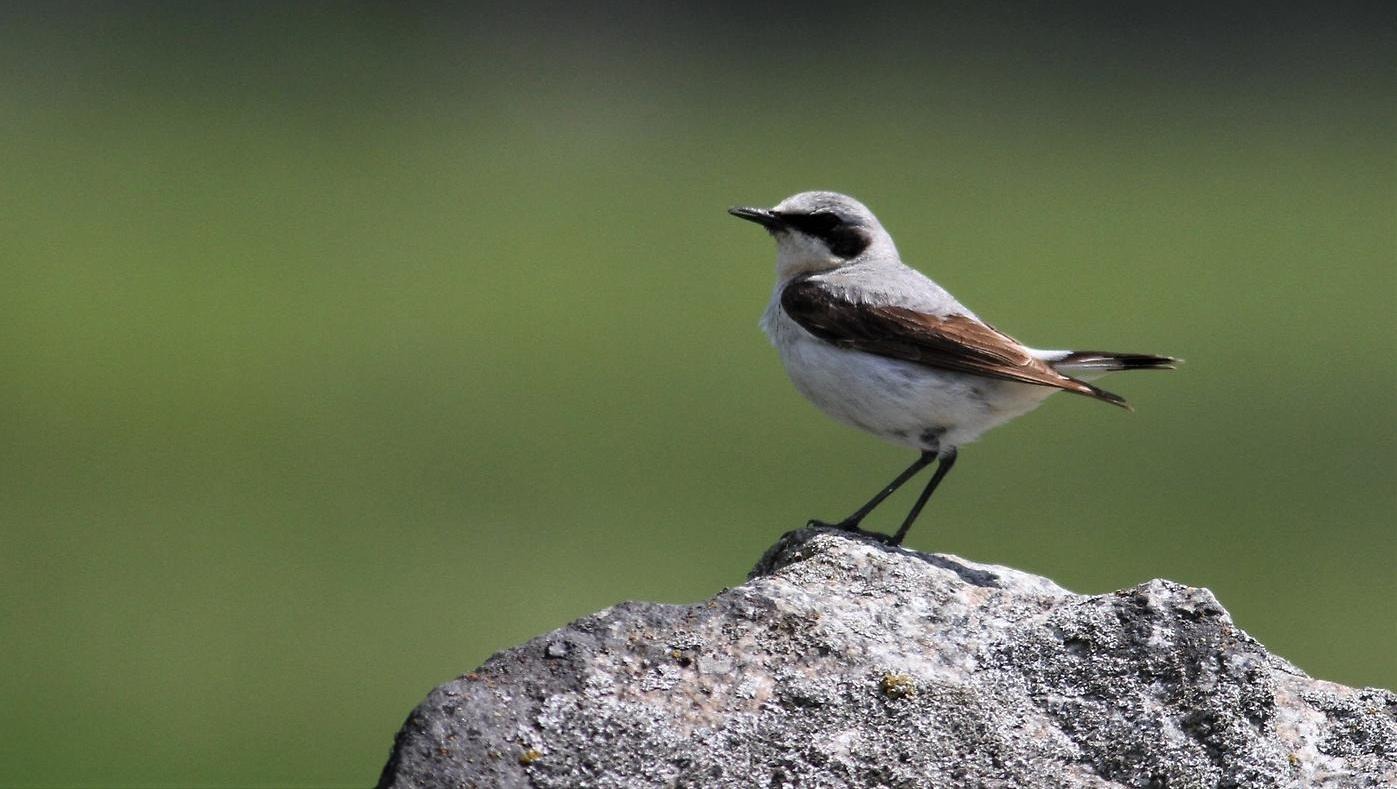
[(844, 239), (816, 224)]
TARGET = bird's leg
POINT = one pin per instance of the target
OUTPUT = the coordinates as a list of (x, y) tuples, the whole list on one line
[(851, 523), (947, 460)]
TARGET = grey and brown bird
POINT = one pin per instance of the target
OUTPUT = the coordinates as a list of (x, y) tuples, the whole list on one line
[(879, 346)]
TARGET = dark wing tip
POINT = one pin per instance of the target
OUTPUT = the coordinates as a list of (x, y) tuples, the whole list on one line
[(1096, 392)]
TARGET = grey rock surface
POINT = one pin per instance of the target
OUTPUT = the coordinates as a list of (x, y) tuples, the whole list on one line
[(846, 663)]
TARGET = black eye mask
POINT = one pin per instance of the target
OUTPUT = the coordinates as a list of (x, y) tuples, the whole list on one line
[(845, 240)]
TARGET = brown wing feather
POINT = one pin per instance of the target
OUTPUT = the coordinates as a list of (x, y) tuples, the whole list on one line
[(954, 342)]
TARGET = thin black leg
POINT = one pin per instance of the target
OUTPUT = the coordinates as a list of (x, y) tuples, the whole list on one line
[(851, 523), (942, 468)]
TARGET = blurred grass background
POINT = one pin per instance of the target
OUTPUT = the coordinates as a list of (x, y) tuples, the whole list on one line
[(344, 345)]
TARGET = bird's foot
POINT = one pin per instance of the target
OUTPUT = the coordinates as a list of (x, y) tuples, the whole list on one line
[(853, 526), (844, 525)]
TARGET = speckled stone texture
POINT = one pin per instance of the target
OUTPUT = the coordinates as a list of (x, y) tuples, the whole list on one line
[(846, 663)]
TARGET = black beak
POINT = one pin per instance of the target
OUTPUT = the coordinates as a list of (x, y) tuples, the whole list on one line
[(762, 216)]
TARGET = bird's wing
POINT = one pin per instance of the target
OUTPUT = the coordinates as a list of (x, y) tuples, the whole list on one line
[(949, 342)]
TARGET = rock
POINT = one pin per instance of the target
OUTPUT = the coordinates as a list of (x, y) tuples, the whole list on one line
[(846, 663)]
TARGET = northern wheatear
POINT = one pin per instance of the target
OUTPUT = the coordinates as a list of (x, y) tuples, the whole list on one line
[(881, 347)]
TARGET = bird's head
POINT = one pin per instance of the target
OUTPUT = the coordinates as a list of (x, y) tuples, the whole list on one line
[(819, 231)]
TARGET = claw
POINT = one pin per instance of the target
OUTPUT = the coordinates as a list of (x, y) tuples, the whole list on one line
[(886, 539), (842, 525)]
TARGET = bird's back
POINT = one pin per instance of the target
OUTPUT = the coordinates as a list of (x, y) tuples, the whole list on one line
[(883, 282)]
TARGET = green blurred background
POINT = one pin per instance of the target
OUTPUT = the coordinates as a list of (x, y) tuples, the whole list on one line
[(344, 345)]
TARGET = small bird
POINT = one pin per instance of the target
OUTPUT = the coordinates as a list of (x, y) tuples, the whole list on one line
[(879, 346)]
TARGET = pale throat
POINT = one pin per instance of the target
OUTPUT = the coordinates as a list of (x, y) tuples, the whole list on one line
[(797, 255)]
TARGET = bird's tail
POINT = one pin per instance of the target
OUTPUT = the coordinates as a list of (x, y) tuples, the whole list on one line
[(1105, 362), (1082, 366)]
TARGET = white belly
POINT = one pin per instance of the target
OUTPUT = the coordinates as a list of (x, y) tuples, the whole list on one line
[(902, 402)]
